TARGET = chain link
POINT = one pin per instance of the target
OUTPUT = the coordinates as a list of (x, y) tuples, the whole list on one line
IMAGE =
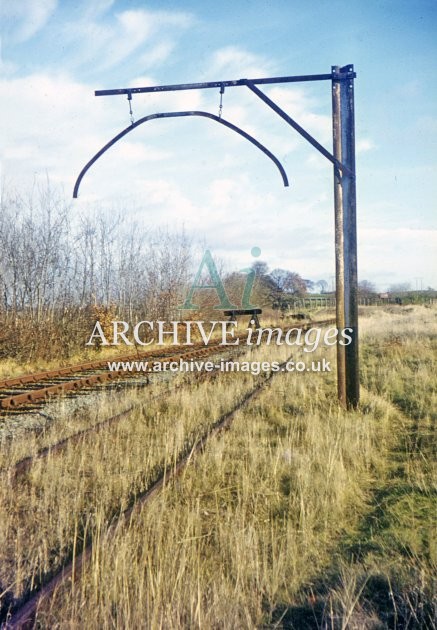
[(222, 91), (131, 114)]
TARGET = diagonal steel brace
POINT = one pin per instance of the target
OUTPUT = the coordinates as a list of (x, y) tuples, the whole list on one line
[(342, 167)]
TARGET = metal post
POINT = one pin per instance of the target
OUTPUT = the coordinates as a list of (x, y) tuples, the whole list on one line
[(343, 159), (339, 244), (348, 186)]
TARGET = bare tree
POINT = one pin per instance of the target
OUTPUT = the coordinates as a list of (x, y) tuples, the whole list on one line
[(366, 288), (323, 285), (55, 273)]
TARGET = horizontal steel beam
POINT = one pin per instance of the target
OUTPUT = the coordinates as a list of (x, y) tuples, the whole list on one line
[(219, 84)]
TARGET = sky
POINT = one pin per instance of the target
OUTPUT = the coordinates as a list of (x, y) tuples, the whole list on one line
[(193, 174)]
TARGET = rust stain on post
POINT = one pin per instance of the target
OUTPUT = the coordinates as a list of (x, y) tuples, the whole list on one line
[(339, 240), (350, 236)]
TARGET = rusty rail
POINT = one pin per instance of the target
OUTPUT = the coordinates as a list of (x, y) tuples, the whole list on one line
[(23, 465), (35, 395), (24, 617), (25, 379), (41, 394)]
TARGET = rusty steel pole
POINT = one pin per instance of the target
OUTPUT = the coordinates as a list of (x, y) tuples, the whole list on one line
[(339, 240), (343, 158), (349, 204)]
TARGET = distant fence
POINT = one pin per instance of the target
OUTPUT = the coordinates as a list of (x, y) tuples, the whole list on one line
[(329, 302), (313, 302)]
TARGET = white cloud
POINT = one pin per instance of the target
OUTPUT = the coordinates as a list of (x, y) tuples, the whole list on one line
[(25, 18), (157, 54), (398, 253), (51, 123), (135, 151), (194, 174), (394, 236), (7, 67), (297, 104), (239, 63), (142, 37), (133, 29), (97, 8), (364, 145), (72, 125), (223, 192)]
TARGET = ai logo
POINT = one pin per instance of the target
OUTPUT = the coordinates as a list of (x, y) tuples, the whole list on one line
[(216, 283)]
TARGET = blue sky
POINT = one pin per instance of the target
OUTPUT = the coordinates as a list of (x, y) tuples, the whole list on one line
[(195, 174)]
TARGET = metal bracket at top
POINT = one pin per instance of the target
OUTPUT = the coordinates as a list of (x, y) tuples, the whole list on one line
[(343, 74)]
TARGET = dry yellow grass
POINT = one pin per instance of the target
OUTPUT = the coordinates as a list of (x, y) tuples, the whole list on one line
[(301, 514), (96, 478)]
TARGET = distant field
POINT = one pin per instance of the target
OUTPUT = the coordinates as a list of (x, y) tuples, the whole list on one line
[(301, 515)]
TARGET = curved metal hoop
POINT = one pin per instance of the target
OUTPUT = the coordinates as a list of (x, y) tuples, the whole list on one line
[(176, 115)]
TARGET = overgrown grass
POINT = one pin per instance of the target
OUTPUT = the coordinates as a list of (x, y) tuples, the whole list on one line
[(252, 521), (75, 494), (301, 516)]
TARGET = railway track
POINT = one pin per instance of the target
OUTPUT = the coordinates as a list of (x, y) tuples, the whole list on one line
[(36, 388), (25, 464), (24, 609), (24, 617), (31, 389)]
